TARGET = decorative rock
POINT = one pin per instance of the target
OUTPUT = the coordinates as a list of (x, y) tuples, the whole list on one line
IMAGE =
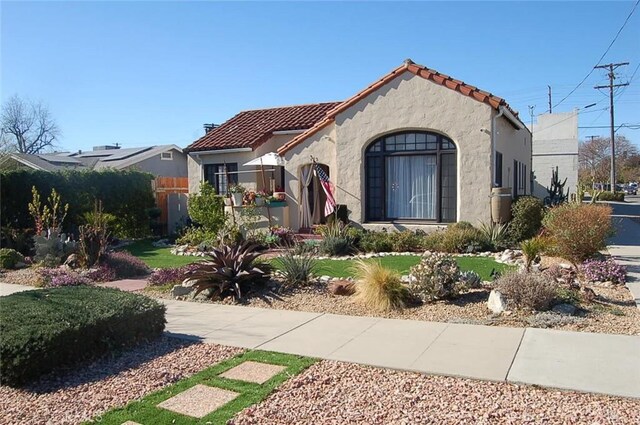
[(180, 291), (496, 303), (342, 287), (72, 261), (565, 308), (324, 279)]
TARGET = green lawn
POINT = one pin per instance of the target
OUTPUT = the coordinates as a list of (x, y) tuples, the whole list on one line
[(144, 411), (343, 268), (156, 257)]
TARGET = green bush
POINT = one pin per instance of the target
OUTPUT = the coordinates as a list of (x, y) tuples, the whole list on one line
[(611, 196), (126, 195), (527, 213), (337, 245), (375, 242), (44, 329), (406, 241), (462, 237), (207, 209), (9, 258), (578, 231)]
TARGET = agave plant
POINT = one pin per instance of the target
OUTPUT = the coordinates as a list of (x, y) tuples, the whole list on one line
[(230, 270), (495, 234)]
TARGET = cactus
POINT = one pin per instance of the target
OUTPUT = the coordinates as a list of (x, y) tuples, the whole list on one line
[(556, 190)]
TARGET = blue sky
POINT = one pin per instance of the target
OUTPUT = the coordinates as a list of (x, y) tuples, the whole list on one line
[(141, 73)]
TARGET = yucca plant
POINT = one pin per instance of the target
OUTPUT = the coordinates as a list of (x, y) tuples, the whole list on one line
[(379, 288), (230, 270), (496, 234), (297, 269), (531, 248)]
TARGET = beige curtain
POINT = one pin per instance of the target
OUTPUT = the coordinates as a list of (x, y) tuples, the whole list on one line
[(306, 174), (317, 208)]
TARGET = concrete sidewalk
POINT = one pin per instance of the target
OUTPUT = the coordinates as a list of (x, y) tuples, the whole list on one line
[(580, 361), (599, 363), (625, 247)]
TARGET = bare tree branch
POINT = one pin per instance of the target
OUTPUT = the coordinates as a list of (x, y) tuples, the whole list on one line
[(27, 127)]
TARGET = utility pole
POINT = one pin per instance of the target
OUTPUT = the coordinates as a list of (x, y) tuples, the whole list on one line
[(550, 108), (612, 76)]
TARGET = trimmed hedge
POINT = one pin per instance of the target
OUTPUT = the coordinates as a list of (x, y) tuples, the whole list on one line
[(44, 329), (611, 196), (125, 194)]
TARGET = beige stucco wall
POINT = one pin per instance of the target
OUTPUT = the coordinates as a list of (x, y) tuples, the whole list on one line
[(321, 146), (251, 181), (410, 102), (514, 144)]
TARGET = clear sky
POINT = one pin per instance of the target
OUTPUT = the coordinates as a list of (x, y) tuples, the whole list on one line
[(141, 73)]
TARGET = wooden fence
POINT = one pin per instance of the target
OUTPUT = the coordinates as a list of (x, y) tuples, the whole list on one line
[(162, 187)]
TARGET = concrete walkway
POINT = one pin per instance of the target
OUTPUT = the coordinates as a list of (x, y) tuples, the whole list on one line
[(599, 363), (625, 247)]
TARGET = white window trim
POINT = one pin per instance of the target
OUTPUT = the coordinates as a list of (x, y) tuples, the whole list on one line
[(163, 158)]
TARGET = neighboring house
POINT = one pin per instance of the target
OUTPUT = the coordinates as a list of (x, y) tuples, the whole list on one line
[(161, 161), (555, 144), (417, 148)]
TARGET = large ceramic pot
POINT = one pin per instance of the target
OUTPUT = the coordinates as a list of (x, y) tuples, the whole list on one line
[(237, 199)]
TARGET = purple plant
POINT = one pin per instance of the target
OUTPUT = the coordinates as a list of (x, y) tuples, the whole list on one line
[(603, 271), (54, 278), (284, 234), (125, 265), (172, 275), (103, 273)]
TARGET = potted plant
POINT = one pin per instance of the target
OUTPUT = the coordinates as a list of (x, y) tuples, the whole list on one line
[(237, 193), (279, 194), (260, 198)]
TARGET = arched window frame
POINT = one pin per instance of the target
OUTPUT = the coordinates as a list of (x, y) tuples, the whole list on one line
[(435, 144)]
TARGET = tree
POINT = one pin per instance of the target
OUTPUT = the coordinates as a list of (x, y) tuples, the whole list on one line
[(27, 127), (594, 157)]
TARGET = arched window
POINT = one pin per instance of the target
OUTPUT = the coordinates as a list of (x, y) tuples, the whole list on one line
[(411, 176)]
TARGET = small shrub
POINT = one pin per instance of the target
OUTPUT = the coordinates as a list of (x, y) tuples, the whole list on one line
[(578, 231), (433, 241), (603, 271), (549, 319), (379, 288), (296, 269), (306, 247), (405, 241), (9, 258), (527, 290), (527, 213), (48, 328), (125, 265), (57, 277), (92, 240), (495, 234), (375, 242), (611, 196), (336, 246), (230, 270), (437, 276), (532, 248), (207, 208), (283, 235), (195, 236), (462, 237), (470, 279), (170, 275)]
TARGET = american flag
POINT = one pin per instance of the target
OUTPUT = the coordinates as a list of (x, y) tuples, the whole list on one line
[(330, 205)]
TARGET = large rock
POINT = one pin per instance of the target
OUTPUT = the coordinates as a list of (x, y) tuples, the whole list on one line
[(496, 303), (342, 287), (72, 261), (181, 291), (565, 309)]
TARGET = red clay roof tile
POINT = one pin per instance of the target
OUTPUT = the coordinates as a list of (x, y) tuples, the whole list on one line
[(249, 129)]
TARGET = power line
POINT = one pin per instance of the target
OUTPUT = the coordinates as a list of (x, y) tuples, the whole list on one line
[(603, 55)]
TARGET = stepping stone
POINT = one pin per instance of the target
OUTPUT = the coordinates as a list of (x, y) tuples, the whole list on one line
[(198, 401), (256, 372)]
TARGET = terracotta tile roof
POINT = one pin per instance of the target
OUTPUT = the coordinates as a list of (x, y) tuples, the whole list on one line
[(250, 129), (419, 70)]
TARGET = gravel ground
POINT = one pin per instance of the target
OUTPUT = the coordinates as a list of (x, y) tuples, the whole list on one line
[(73, 396), (332, 393), (27, 276), (615, 312)]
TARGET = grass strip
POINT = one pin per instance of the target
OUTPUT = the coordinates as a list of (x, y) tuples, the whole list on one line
[(144, 411)]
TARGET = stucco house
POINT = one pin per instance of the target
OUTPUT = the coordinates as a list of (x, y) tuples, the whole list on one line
[(415, 149)]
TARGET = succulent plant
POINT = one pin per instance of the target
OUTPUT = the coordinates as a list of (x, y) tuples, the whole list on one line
[(230, 270)]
